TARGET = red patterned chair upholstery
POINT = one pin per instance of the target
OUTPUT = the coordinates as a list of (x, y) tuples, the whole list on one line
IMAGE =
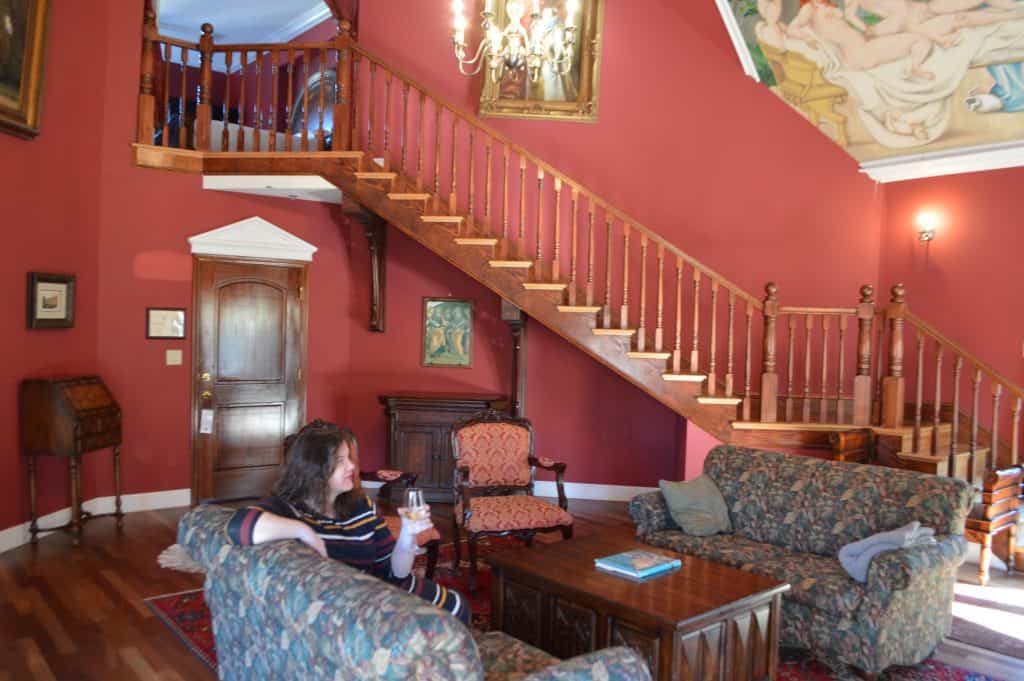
[(494, 467)]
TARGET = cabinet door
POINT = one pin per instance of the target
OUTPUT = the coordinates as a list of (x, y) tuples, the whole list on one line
[(414, 453)]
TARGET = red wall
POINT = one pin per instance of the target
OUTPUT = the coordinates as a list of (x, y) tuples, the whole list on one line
[(965, 282)]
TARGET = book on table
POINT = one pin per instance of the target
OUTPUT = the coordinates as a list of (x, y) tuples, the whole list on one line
[(637, 564)]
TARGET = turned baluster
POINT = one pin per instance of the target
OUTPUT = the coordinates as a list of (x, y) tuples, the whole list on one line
[(357, 61), (240, 140), (165, 137), (840, 415), (975, 421), (937, 404), (437, 157), (659, 331), (257, 105), (641, 332), (471, 213), (538, 260), (993, 452), (226, 106), (321, 134), (862, 380), (452, 205), (182, 118), (894, 385), (918, 405), (307, 62), (521, 245), (789, 368), (341, 132), (769, 379), (958, 366), (624, 309), (746, 378), (822, 411), (387, 118), (371, 110), (713, 352), (147, 100), (419, 141), (556, 258), (575, 197), (1015, 436), (489, 187), (590, 253), (729, 385), (677, 351), (808, 339), (504, 203), (881, 349), (289, 124), (404, 127), (694, 347), (606, 309)]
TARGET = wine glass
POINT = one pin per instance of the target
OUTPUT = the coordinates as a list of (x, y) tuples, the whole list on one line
[(416, 510)]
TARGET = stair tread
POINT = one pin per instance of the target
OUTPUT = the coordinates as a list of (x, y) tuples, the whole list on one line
[(544, 286), (614, 332), (476, 240), (685, 378), (634, 354), (820, 427), (442, 218), (408, 196), (375, 175), (593, 309), (725, 401), (511, 264)]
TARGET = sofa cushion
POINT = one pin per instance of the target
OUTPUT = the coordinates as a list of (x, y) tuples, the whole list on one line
[(696, 505), (505, 658), (817, 581)]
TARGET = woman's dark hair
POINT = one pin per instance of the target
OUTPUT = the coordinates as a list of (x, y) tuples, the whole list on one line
[(310, 458)]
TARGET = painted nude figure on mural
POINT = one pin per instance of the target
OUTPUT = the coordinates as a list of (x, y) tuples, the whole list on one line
[(820, 19), (770, 31), (937, 20)]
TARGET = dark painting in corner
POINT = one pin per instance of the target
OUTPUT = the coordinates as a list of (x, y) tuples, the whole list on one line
[(22, 42)]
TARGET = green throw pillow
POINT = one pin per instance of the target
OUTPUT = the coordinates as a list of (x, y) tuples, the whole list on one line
[(697, 506)]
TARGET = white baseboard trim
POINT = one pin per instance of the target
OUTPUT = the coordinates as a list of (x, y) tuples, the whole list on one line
[(586, 490), (16, 536)]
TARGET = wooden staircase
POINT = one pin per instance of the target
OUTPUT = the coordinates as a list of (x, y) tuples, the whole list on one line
[(747, 369)]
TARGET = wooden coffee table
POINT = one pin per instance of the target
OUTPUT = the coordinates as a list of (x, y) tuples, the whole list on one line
[(704, 621)]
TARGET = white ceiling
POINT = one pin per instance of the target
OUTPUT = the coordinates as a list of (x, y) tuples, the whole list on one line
[(240, 21)]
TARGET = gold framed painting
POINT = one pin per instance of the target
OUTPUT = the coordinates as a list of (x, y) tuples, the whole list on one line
[(22, 42), (553, 96), (447, 333)]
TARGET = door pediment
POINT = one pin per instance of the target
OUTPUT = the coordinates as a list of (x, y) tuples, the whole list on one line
[(252, 238)]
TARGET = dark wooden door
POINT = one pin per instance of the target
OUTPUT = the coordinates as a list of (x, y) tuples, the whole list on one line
[(248, 387)]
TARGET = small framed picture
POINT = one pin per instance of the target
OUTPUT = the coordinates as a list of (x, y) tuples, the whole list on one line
[(51, 301), (165, 322), (447, 332)]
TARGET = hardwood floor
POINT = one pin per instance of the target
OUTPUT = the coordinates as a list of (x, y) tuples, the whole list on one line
[(70, 614)]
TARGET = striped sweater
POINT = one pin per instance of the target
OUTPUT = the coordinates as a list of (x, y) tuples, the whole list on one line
[(362, 541)]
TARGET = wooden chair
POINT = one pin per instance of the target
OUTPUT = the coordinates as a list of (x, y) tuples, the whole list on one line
[(996, 513), (494, 467)]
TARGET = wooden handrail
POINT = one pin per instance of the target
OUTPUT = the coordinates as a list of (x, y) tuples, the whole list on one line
[(167, 40), (596, 200), (930, 331), (270, 47)]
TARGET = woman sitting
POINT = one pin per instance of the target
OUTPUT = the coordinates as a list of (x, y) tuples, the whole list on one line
[(317, 500)]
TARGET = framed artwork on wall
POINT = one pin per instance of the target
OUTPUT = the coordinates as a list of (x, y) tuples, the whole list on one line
[(447, 332), (22, 42), (51, 300), (165, 322), (553, 96)]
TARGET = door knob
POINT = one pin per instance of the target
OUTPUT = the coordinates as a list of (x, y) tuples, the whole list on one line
[(205, 376), (205, 395)]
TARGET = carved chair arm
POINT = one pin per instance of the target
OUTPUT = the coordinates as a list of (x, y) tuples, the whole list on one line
[(559, 468)]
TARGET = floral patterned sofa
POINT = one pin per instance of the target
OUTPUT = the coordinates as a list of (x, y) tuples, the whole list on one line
[(791, 515), (282, 612)]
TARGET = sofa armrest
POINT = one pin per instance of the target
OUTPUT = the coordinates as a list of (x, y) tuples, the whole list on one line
[(906, 568), (620, 663), (650, 513)]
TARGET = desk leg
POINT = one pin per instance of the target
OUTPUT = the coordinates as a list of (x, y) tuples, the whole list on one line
[(33, 526), (117, 488), (76, 499)]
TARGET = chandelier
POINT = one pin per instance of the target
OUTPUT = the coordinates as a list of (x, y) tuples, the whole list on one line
[(547, 44)]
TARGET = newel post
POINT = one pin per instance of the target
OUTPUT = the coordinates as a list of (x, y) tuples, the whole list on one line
[(147, 100), (769, 379), (862, 381), (341, 134), (894, 385), (204, 112)]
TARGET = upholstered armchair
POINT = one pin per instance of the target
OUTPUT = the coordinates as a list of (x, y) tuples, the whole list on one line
[(494, 467)]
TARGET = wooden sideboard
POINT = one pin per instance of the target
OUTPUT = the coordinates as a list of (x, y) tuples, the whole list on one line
[(419, 435)]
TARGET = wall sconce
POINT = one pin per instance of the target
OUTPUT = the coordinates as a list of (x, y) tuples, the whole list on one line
[(927, 221)]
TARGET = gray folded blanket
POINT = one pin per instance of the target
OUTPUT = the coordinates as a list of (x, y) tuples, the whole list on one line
[(856, 557)]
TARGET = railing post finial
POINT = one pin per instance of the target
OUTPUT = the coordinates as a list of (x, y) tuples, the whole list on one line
[(147, 102), (204, 111), (769, 377), (867, 294), (770, 290), (899, 292)]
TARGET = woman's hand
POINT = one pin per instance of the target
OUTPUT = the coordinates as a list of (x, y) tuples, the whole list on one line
[(311, 539), (427, 536)]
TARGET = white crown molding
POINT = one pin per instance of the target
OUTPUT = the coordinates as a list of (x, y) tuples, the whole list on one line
[(938, 163), (300, 24), (736, 35), (252, 238), (16, 536), (301, 187)]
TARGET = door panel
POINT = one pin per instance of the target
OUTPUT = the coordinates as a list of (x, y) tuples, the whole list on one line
[(250, 345)]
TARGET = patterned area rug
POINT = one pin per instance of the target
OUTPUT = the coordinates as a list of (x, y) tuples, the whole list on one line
[(187, 615)]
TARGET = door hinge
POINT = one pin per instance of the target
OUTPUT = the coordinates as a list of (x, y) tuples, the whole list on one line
[(302, 290)]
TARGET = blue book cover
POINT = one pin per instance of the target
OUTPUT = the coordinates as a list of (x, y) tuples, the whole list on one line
[(637, 563)]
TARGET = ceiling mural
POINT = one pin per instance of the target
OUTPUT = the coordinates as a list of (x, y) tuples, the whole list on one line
[(894, 81)]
